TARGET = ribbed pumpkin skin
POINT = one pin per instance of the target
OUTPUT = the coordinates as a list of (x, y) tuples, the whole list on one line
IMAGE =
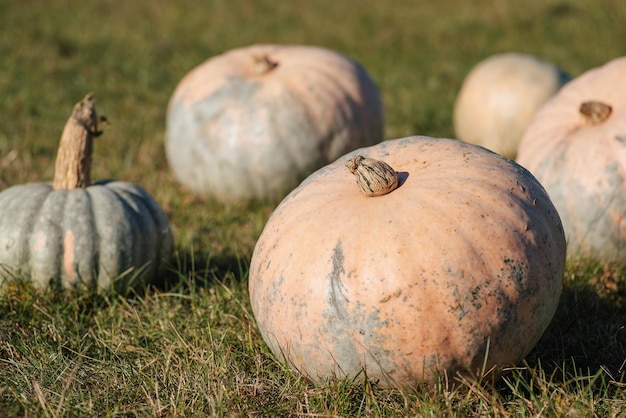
[(465, 256), (582, 166), (499, 98), (237, 135), (82, 237)]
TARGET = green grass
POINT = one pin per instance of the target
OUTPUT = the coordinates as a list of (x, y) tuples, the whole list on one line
[(191, 346)]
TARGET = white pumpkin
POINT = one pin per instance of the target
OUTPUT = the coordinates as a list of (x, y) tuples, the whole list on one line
[(499, 98)]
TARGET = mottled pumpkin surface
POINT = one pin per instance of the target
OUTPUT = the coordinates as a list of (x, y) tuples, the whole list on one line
[(500, 97), (583, 165), (236, 132), (82, 237), (463, 260)]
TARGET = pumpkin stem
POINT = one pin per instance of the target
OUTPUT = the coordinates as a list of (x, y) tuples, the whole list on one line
[(374, 177), (595, 112), (73, 164), (263, 64)]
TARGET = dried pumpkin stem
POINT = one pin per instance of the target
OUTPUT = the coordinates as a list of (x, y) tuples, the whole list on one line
[(73, 164), (263, 64), (595, 112), (374, 177)]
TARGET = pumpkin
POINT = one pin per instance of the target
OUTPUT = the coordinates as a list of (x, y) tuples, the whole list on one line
[(457, 270), (252, 123), (576, 147), (499, 98), (74, 234)]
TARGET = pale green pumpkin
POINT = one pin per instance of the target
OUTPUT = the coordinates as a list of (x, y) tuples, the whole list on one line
[(73, 233)]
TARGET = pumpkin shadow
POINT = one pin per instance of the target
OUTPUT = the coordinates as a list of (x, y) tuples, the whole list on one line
[(585, 344), (199, 269)]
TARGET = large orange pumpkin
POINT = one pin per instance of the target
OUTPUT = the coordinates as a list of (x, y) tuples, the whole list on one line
[(499, 98), (255, 121), (576, 147), (458, 268)]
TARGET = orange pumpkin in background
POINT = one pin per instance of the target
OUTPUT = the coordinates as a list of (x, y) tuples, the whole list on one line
[(576, 147), (252, 123), (458, 269), (499, 98)]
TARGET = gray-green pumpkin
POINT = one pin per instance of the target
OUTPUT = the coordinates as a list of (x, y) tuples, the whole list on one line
[(252, 123), (73, 233)]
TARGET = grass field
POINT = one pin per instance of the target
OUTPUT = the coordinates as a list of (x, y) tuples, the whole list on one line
[(190, 346)]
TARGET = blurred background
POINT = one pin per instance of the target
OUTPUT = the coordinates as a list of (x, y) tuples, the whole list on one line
[(132, 54)]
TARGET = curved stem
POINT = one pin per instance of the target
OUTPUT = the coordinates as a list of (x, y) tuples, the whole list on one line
[(595, 112), (73, 164)]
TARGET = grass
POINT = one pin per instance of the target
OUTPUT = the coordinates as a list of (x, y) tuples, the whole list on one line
[(194, 349), (190, 346)]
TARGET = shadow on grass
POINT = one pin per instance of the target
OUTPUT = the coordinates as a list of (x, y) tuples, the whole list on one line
[(587, 337), (201, 269)]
